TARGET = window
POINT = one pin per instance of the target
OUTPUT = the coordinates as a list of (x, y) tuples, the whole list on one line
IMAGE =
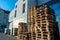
[(15, 13), (16, 6), (23, 0), (23, 8)]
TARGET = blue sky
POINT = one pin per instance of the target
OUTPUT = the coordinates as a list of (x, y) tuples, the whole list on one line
[(7, 4)]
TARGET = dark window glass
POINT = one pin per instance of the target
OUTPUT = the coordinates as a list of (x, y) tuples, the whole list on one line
[(23, 0), (16, 6), (15, 13), (23, 8)]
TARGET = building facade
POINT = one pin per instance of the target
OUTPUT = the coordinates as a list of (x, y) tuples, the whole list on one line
[(4, 15)]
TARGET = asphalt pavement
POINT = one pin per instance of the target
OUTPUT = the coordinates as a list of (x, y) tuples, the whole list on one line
[(7, 37)]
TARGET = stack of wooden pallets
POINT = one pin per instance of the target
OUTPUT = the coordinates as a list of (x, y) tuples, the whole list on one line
[(22, 35), (41, 23)]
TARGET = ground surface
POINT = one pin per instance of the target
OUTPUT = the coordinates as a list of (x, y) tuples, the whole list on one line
[(7, 37)]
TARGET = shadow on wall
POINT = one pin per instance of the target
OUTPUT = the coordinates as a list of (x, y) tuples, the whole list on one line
[(2, 28)]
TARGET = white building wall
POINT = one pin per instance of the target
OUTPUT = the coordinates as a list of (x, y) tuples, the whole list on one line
[(11, 15), (20, 15), (15, 23)]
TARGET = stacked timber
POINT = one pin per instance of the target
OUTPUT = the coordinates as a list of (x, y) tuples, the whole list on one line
[(15, 31), (41, 23), (22, 31)]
